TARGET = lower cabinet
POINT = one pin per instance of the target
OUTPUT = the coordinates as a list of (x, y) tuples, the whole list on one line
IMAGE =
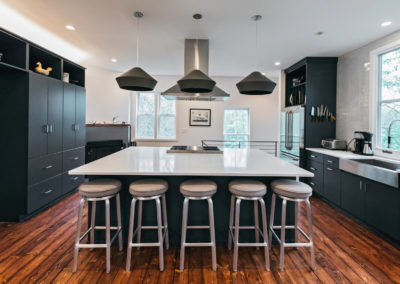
[(352, 191), (41, 194), (69, 182), (332, 184)]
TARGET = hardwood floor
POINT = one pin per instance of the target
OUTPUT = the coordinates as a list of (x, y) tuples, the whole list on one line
[(40, 251)]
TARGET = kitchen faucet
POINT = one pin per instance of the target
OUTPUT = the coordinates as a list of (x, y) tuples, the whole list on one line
[(390, 130)]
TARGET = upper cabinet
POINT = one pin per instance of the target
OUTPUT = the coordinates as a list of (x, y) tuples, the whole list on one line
[(16, 52)]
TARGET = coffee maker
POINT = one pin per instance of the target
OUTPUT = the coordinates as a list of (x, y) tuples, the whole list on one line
[(363, 143)]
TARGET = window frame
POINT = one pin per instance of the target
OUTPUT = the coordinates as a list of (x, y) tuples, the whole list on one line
[(249, 122), (157, 116), (376, 102)]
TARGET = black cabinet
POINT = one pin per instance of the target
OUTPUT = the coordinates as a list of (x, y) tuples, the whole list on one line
[(382, 208), (352, 190), (45, 115), (332, 184), (74, 117)]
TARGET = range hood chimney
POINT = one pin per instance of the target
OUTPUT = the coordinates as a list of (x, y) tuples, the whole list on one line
[(196, 57)]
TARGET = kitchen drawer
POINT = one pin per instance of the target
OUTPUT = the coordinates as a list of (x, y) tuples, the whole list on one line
[(331, 161), (69, 182), (73, 158), (314, 156), (316, 184), (43, 193), (44, 167), (332, 187), (316, 168)]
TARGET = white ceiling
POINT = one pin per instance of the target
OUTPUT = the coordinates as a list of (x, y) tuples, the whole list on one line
[(106, 29)]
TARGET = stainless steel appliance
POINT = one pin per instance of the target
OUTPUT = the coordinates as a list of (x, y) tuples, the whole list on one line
[(363, 143), (334, 144), (292, 133), (195, 149)]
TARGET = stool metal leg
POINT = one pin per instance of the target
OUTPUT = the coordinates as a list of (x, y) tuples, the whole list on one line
[(296, 222), (183, 237), (130, 235), (231, 222), (139, 220), (78, 234), (307, 201), (283, 229), (265, 230), (212, 234), (93, 222), (164, 208), (235, 244), (271, 219), (119, 223), (108, 237), (256, 223), (160, 234)]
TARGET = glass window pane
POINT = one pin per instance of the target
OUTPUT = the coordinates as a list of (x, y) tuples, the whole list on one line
[(389, 112), (145, 126), (166, 106), (146, 103), (390, 75), (236, 121), (166, 127)]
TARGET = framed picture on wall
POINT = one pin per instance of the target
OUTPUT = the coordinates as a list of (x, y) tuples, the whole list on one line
[(199, 117)]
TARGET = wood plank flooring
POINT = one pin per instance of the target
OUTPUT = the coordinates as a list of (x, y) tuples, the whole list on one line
[(40, 251)]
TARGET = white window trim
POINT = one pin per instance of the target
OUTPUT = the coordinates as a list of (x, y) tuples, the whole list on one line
[(237, 108), (156, 117), (373, 99)]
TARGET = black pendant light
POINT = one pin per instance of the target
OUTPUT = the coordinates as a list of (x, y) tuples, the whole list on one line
[(196, 81), (256, 83), (136, 79)]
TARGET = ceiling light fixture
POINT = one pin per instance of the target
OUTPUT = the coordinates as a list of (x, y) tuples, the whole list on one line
[(256, 83), (319, 33), (386, 24), (136, 79), (113, 60), (277, 63), (70, 27), (196, 81)]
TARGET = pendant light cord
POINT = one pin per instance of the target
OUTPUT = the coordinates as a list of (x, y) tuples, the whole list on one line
[(257, 63), (137, 42)]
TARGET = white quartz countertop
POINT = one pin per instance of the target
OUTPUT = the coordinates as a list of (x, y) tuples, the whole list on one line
[(339, 153), (154, 161)]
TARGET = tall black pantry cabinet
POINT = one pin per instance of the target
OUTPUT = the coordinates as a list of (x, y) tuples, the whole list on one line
[(36, 151)]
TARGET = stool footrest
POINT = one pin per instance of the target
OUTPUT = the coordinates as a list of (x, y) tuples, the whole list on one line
[(144, 244), (198, 227), (198, 244), (291, 244)]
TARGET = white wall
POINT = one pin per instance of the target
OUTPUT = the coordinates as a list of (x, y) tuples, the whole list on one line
[(353, 89), (105, 100)]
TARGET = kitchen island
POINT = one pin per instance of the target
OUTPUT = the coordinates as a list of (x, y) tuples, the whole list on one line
[(140, 162)]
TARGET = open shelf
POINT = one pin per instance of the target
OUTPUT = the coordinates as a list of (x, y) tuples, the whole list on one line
[(47, 59), (76, 73), (296, 86), (13, 50)]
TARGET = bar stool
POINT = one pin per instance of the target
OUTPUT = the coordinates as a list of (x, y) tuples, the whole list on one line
[(246, 189), (142, 190), (198, 189), (93, 191), (291, 190)]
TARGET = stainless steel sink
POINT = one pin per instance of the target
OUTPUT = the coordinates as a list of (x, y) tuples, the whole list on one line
[(374, 169)]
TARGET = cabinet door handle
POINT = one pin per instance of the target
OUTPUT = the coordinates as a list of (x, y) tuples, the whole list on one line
[(361, 185), (330, 162), (48, 192), (48, 167), (365, 187), (313, 169), (329, 169), (75, 158), (74, 178), (313, 156), (50, 128), (45, 128), (312, 184)]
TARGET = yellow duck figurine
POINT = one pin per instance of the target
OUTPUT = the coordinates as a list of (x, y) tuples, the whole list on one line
[(39, 69)]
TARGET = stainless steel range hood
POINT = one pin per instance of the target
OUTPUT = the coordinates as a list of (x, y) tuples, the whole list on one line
[(196, 57)]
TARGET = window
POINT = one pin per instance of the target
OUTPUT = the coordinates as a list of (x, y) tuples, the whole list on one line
[(389, 98), (155, 117), (236, 125)]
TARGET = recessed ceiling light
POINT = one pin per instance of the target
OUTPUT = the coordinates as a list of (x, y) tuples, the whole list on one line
[(386, 24), (69, 27), (277, 63), (319, 33), (263, 73), (113, 60)]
